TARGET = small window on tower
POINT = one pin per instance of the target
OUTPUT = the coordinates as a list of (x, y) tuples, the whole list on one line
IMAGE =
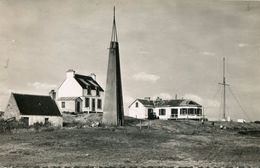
[(136, 104)]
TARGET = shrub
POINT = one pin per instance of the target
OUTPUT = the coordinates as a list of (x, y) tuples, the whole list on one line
[(38, 125), (7, 126)]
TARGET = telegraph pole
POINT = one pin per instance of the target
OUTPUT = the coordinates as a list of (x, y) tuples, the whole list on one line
[(224, 90)]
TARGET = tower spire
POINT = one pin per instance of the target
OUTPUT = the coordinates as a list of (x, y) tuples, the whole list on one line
[(114, 31), (113, 113)]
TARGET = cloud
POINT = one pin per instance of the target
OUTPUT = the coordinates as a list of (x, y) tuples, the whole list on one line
[(242, 45), (208, 53), (39, 85), (143, 76), (164, 96)]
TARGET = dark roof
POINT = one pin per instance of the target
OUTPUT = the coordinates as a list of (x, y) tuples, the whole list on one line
[(146, 102), (36, 105), (86, 81), (171, 103), (176, 102)]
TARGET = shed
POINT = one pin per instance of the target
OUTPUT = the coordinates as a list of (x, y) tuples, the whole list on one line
[(32, 109)]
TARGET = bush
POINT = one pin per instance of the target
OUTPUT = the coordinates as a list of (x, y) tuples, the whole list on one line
[(38, 125), (7, 126)]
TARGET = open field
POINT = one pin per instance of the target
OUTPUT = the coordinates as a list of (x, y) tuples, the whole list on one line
[(165, 143)]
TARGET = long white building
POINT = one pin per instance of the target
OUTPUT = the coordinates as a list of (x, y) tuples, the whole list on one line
[(165, 109)]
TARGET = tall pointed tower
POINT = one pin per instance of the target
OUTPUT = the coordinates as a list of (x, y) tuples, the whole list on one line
[(113, 106)]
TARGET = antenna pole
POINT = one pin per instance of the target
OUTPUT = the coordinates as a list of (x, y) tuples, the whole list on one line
[(224, 94), (114, 31), (224, 89), (114, 13)]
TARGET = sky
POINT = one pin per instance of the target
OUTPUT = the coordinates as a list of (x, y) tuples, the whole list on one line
[(167, 48)]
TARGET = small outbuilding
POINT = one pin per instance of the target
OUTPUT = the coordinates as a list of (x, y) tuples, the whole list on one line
[(32, 109)]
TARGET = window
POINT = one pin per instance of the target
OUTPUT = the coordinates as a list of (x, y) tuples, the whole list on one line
[(136, 104), (195, 111), (199, 111), (183, 111), (89, 90), (174, 113), (99, 104), (25, 121), (191, 111), (98, 93), (62, 104), (46, 120), (93, 105), (86, 102), (162, 112)]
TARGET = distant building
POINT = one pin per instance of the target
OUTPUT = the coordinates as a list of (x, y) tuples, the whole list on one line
[(241, 120), (32, 109), (79, 93), (165, 109)]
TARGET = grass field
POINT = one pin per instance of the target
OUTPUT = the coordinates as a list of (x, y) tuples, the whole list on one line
[(163, 143)]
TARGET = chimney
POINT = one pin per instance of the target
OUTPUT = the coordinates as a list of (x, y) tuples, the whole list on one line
[(70, 73), (158, 99), (52, 94), (176, 97), (93, 76), (147, 98)]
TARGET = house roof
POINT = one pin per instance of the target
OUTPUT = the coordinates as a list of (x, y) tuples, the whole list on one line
[(36, 105), (86, 81), (175, 102), (146, 102), (168, 103)]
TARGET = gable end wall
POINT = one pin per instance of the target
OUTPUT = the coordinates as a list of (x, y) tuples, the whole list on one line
[(12, 109)]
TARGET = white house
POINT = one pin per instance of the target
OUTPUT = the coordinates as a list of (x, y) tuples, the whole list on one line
[(32, 109), (79, 93), (165, 109)]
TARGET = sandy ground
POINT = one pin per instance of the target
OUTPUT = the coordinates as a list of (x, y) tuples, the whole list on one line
[(164, 143)]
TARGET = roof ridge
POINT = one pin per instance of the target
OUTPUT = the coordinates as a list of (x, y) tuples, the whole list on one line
[(23, 94), (83, 75)]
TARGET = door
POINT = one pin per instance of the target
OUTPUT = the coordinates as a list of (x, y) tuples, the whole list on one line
[(174, 113), (25, 121), (77, 106), (151, 114), (93, 105)]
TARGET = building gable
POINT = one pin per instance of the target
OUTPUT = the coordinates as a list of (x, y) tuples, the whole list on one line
[(70, 88), (12, 109), (143, 102)]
